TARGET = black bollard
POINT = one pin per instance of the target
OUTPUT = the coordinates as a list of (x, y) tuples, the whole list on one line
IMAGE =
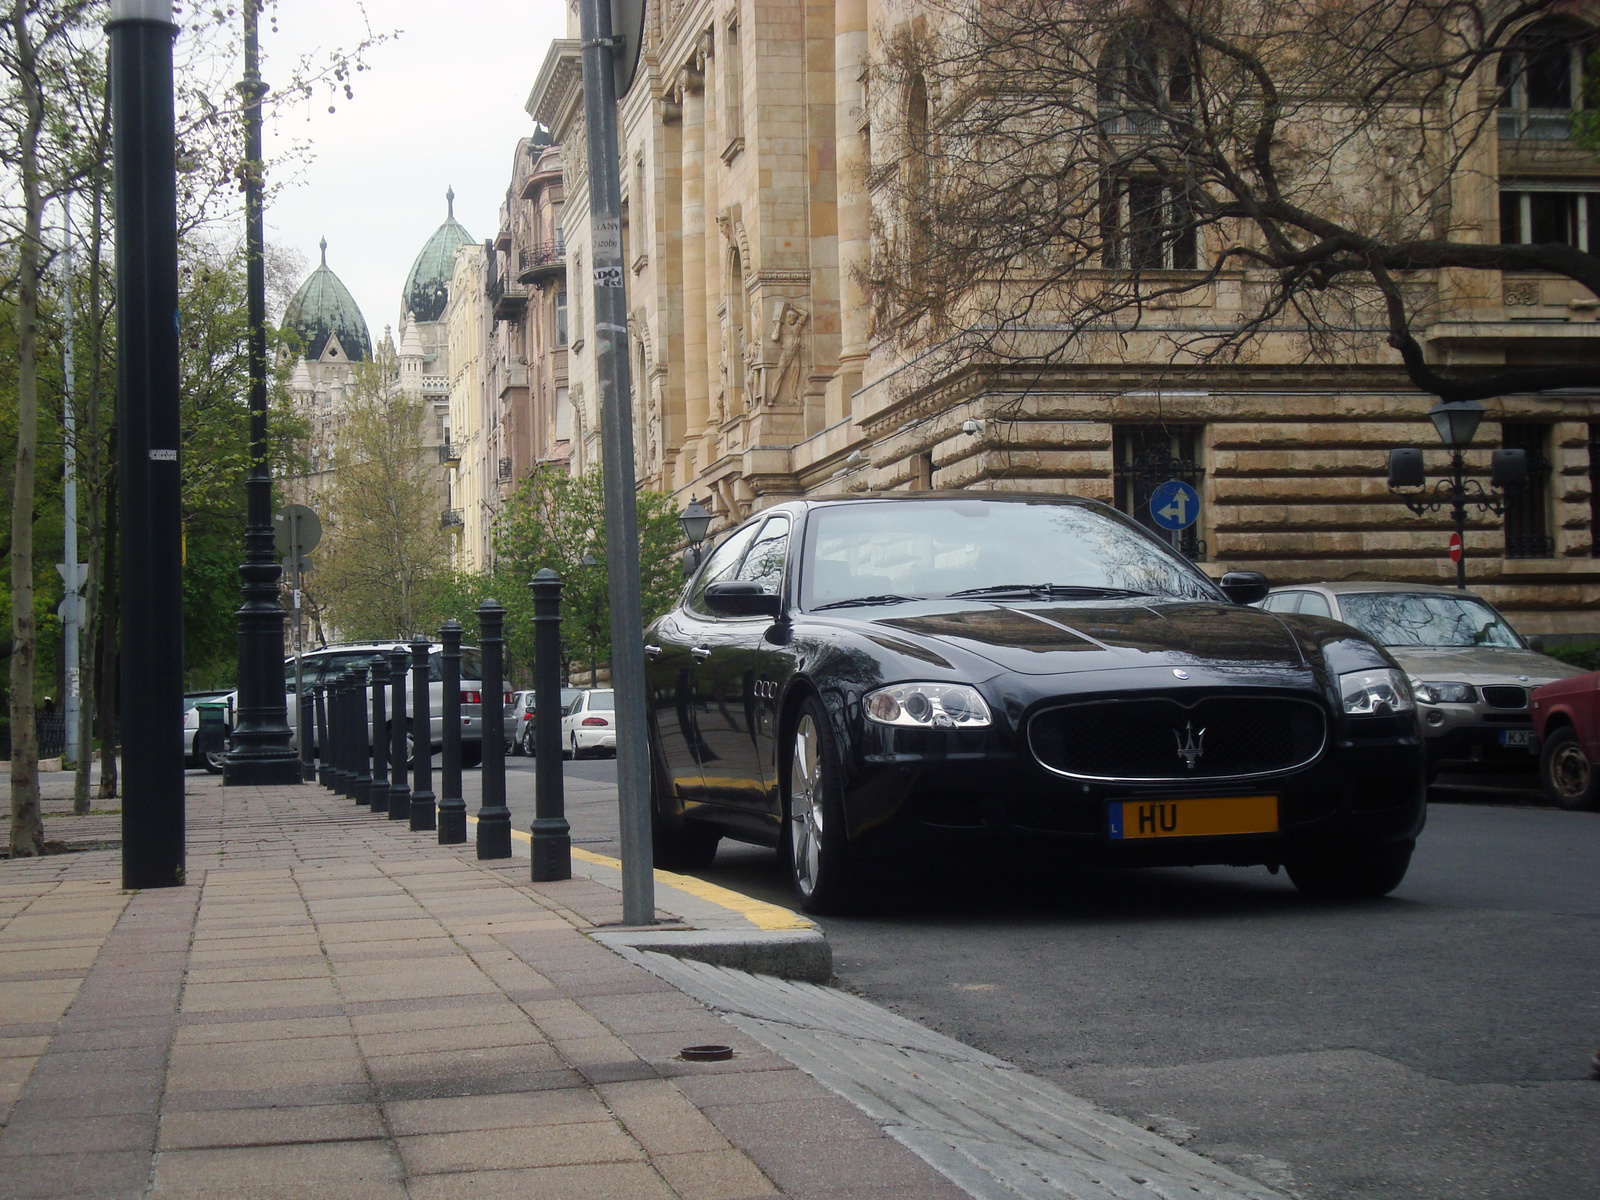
[(347, 742), (380, 732), (494, 818), (452, 808), (324, 771), (306, 731), (362, 788), (399, 793), (339, 715), (422, 814), (552, 837)]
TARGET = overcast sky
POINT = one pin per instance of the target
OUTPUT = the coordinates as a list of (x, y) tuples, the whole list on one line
[(441, 106)]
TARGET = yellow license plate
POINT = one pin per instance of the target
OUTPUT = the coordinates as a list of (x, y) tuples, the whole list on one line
[(1211, 817)]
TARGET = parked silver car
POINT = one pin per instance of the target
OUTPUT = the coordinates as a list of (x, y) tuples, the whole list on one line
[(1470, 670), (522, 722), (322, 666)]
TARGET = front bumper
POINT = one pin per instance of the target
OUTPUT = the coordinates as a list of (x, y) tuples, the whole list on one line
[(928, 793), (1477, 733)]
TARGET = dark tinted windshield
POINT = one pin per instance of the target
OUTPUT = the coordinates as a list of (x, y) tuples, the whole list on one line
[(1426, 619), (932, 548), (471, 665)]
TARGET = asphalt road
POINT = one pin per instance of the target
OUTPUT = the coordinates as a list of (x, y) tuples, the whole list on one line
[(1434, 1044)]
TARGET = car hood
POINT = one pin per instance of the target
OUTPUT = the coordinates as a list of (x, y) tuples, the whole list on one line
[(1048, 638), (1481, 664)]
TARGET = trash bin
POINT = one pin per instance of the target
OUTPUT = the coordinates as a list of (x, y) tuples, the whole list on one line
[(211, 742)]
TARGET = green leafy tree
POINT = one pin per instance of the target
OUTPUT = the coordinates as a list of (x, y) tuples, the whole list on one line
[(557, 520), (386, 557)]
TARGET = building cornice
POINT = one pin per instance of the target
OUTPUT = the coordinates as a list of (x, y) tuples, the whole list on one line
[(558, 84)]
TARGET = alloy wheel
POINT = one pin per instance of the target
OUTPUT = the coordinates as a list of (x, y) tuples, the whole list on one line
[(805, 805)]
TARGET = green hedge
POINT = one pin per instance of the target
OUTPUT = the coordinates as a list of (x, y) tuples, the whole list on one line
[(1580, 654)]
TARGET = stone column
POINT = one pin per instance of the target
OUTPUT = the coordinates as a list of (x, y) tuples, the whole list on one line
[(696, 394), (855, 213), (715, 253)]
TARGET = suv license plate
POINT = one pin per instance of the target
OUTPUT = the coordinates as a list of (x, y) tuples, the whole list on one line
[(1211, 816), (1514, 738)]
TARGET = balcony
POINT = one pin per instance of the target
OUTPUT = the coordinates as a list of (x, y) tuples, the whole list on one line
[(451, 518), (505, 470), (547, 260), (449, 456), (507, 299)]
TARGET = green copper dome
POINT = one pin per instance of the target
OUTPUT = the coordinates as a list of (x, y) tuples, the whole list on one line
[(427, 288), (324, 306)]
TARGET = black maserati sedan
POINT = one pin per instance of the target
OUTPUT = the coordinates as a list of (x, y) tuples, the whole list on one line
[(869, 684)]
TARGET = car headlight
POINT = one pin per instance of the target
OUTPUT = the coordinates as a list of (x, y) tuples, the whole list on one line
[(1370, 693), (928, 706), (1443, 692)]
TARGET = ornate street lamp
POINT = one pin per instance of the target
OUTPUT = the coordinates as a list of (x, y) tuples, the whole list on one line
[(1457, 425), (695, 521)]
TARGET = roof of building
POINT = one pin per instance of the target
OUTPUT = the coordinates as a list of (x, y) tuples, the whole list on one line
[(324, 307), (428, 285)]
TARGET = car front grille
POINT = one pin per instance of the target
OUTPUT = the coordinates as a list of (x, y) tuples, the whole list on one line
[(1505, 697), (1167, 738)]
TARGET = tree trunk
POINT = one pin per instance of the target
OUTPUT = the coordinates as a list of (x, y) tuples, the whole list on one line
[(27, 823), (107, 695), (94, 624)]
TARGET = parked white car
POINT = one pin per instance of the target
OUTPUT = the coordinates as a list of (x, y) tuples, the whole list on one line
[(589, 725)]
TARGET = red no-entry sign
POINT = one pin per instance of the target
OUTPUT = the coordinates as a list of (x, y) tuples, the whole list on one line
[(1455, 547)]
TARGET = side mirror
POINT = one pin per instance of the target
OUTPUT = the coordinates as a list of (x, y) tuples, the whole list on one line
[(1405, 468), (1535, 642), (1245, 587), (742, 598), (1508, 468)]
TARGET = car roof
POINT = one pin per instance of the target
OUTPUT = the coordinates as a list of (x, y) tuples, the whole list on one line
[(1352, 587)]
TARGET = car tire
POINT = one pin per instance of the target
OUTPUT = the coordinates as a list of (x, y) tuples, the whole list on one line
[(1351, 872), (530, 744), (471, 754), (515, 747), (213, 760), (1569, 778), (814, 843), (576, 753)]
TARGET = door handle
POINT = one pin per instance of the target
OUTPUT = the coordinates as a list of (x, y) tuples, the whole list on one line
[(652, 651), (700, 653)]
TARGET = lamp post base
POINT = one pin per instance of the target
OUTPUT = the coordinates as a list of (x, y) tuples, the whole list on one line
[(494, 832), (261, 770), (423, 817)]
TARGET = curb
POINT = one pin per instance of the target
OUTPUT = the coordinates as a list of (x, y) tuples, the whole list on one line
[(800, 955)]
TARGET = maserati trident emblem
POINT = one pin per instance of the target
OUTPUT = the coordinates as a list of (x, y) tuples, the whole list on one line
[(1191, 745)]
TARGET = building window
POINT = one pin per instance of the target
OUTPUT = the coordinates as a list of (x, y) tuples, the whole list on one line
[(1541, 80), (732, 87), (1145, 457), (561, 318), (1142, 84), (1146, 224), (1542, 213), (1527, 520)]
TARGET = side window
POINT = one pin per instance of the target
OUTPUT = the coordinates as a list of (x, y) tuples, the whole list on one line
[(1282, 602), (764, 563), (724, 562), (1315, 604)]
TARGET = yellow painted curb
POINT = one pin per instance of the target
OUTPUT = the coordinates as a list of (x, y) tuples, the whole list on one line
[(764, 916)]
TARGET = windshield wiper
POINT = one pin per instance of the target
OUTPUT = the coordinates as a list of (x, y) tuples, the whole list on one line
[(887, 598), (1032, 591)]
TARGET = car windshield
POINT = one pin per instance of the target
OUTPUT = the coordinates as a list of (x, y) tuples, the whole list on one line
[(882, 552), (602, 701), (1427, 619)]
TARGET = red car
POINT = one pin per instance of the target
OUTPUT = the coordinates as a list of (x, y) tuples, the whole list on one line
[(1568, 728)]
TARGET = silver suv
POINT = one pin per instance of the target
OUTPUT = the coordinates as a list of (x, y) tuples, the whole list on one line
[(1471, 672), (322, 666)]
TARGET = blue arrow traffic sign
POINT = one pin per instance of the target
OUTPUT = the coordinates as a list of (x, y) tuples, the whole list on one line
[(1175, 505)]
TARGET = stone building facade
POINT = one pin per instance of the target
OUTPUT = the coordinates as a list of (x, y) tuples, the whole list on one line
[(753, 151)]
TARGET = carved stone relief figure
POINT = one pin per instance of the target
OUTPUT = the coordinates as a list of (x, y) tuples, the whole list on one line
[(652, 449), (788, 332)]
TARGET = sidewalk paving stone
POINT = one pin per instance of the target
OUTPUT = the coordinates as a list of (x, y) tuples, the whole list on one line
[(335, 1006)]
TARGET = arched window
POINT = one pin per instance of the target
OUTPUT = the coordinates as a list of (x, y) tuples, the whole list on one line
[(1541, 79), (915, 175)]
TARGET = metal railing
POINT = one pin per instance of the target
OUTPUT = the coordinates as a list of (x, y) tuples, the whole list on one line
[(505, 469), (546, 255), (451, 518), (449, 454)]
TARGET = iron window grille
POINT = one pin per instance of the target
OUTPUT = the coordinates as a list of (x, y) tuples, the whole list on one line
[(1527, 529), (1145, 457)]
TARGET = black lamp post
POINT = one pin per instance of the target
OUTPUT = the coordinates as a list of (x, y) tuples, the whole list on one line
[(1457, 424), (695, 520), (260, 753)]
